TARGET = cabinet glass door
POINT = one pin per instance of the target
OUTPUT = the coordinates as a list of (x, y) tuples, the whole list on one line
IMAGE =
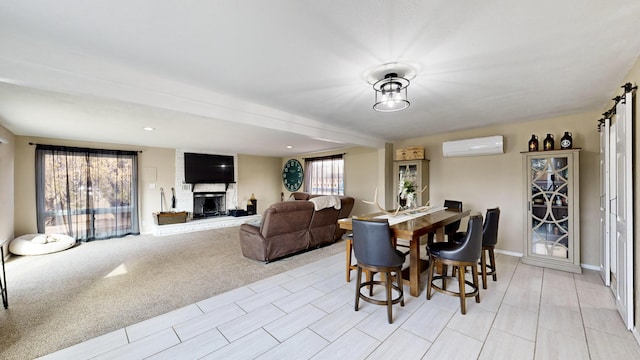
[(408, 181), (549, 180)]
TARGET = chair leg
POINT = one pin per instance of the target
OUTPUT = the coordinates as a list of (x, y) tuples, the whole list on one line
[(430, 276), (358, 282), (387, 283), (370, 275), (444, 275), (400, 285), (474, 272), (463, 297), (349, 243), (492, 260), (483, 268)]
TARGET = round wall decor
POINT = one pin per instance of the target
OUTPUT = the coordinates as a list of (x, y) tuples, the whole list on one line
[(292, 175)]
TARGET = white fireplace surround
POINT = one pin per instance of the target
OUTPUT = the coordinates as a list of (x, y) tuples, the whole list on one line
[(184, 191)]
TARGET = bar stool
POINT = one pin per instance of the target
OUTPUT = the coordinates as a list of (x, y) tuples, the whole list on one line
[(374, 251), (489, 241), (459, 256), (348, 240)]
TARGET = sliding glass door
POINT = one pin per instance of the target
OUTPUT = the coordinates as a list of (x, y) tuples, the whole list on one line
[(86, 193)]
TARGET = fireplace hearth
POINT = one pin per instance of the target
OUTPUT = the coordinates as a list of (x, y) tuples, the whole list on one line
[(209, 204)]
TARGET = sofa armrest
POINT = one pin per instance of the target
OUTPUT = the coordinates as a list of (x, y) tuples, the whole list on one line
[(252, 242)]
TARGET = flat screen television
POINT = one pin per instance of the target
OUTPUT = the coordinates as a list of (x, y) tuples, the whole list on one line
[(208, 169)]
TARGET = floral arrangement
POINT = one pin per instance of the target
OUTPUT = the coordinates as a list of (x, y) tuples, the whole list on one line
[(407, 188)]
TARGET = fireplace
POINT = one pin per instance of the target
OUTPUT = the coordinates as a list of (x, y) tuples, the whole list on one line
[(207, 204)]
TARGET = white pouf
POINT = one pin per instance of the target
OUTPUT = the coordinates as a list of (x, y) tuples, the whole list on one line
[(40, 244)]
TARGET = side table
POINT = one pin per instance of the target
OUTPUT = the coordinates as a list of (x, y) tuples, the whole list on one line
[(3, 279)]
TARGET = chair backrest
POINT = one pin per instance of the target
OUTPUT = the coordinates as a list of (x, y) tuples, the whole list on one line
[(372, 243), (490, 230), (452, 205), (471, 246)]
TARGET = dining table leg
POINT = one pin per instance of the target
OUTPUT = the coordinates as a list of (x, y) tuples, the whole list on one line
[(414, 267)]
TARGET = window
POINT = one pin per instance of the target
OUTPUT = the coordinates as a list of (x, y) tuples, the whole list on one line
[(324, 175), (86, 193)]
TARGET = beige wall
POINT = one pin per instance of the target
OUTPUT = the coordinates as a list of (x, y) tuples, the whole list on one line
[(261, 176), (7, 149), (482, 182), (156, 169), (361, 175), (159, 159)]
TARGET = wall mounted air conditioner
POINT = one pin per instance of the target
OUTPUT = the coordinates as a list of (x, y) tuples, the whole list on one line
[(473, 147)]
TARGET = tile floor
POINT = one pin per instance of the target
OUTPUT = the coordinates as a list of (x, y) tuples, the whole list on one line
[(307, 313)]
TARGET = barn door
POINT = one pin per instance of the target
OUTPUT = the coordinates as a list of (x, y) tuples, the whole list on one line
[(624, 209), (605, 208)]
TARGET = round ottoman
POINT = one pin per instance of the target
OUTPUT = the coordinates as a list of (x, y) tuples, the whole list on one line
[(39, 244)]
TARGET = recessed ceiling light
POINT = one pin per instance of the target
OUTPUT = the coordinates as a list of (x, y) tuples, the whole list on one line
[(148, 128), (289, 147)]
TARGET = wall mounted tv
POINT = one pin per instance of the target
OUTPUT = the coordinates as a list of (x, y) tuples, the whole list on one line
[(208, 169)]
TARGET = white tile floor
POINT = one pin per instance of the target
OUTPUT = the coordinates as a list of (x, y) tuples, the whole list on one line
[(307, 313)]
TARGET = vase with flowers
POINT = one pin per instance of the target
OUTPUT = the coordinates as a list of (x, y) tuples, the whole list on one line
[(407, 196)]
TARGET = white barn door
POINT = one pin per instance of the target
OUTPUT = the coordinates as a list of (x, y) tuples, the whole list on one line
[(616, 205), (605, 204), (624, 209)]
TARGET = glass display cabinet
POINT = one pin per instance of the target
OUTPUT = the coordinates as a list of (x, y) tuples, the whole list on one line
[(416, 173), (552, 222)]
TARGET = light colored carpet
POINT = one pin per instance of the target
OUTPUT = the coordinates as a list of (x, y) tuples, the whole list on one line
[(60, 299)]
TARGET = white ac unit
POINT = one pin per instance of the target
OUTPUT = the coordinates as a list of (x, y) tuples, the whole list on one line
[(473, 147)]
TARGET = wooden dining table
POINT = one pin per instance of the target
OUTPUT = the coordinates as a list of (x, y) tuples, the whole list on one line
[(412, 229)]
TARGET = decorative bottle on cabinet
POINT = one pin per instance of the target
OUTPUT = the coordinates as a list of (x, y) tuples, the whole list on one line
[(567, 141), (415, 172), (552, 219), (533, 143), (548, 142)]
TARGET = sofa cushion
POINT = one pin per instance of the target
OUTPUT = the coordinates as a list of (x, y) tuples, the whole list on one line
[(325, 201), (298, 195), (323, 226)]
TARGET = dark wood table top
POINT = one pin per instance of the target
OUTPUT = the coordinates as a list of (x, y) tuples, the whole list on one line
[(418, 226)]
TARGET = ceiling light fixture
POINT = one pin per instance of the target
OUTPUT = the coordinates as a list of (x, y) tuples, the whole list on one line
[(148, 128), (391, 93), (390, 82)]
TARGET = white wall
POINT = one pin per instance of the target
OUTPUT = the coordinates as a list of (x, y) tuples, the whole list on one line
[(7, 150)]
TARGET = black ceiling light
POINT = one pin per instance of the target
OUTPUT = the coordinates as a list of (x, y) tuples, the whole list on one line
[(391, 93)]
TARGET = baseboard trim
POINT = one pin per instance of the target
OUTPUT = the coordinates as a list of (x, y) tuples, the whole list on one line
[(517, 254), (510, 253), (636, 334), (590, 267)]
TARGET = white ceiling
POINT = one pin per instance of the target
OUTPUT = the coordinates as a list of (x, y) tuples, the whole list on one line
[(253, 76)]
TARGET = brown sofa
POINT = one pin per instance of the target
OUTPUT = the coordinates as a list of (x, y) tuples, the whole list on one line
[(289, 227)]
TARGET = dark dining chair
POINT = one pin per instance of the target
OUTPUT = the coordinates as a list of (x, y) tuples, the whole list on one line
[(375, 253), (451, 230), (459, 256), (489, 241)]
